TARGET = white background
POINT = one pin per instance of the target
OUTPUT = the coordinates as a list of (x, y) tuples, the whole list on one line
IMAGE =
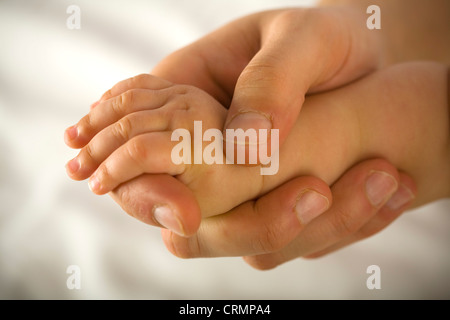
[(49, 75)]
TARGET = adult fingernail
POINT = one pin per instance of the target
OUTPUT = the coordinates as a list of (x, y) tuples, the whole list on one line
[(72, 132), (73, 165), (310, 205), (400, 198), (380, 186), (249, 120), (165, 217)]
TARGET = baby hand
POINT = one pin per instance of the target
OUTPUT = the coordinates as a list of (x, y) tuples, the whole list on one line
[(131, 134)]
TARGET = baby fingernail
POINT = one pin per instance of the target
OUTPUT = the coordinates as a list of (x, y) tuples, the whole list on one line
[(94, 184), (73, 165), (72, 132), (165, 217), (379, 187), (96, 103), (310, 205), (403, 196)]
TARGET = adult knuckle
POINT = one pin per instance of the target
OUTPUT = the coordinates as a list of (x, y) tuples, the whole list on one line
[(126, 199), (260, 73), (270, 239), (373, 226), (181, 247), (344, 223), (132, 204), (136, 207), (142, 210)]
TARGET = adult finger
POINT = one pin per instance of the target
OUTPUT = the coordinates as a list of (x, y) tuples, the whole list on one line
[(357, 197), (264, 225), (301, 50), (160, 200), (397, 204)]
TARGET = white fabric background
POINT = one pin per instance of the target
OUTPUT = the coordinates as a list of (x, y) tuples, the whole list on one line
[(49, 75)]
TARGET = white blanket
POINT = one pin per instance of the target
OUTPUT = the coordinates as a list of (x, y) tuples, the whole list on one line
[(49, 75)]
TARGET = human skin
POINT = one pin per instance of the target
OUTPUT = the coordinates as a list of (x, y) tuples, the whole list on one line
[(410, 29), (137, 195), (236, 64), (375, 116)]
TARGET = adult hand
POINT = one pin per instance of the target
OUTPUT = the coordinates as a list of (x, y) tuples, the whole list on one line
[(267, 231), (266, 63), (261, 66)]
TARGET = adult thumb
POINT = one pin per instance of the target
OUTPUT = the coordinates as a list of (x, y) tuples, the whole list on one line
[(301, 51), (270, 91), (268, 95)]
